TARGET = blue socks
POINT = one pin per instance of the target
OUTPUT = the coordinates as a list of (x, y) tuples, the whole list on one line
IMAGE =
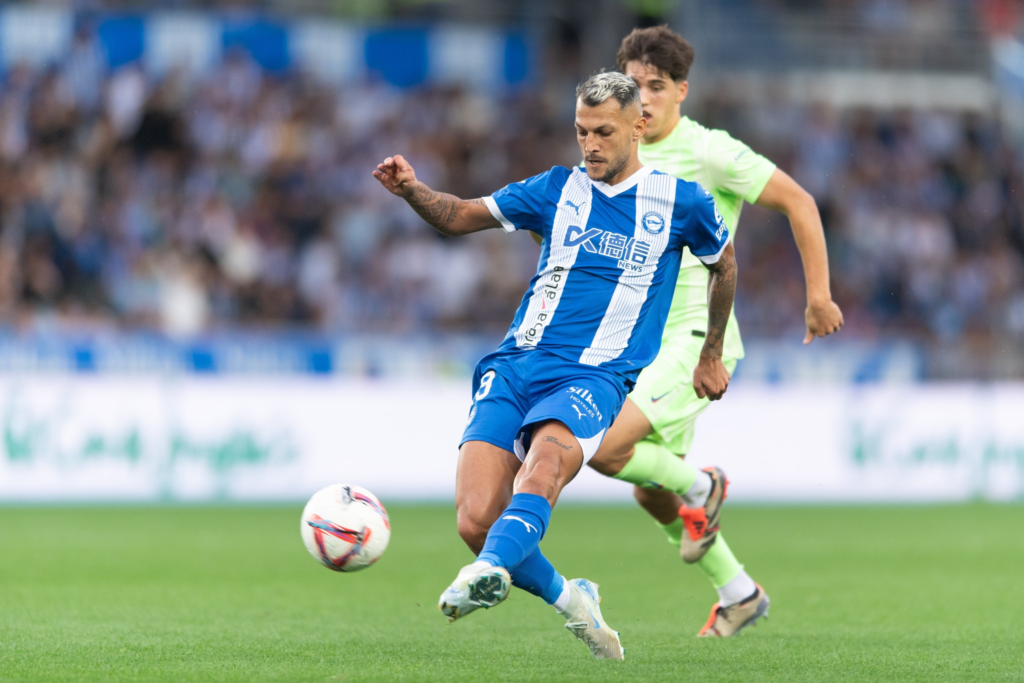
[(536, 575), (517, 532), (513, 542)]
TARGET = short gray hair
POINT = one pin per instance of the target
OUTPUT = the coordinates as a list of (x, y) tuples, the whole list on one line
[(601, 86)]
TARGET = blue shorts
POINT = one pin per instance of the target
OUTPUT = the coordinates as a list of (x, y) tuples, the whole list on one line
[(515, 389)]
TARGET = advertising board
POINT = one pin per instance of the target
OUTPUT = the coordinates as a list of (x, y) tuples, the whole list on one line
[(72, 438)]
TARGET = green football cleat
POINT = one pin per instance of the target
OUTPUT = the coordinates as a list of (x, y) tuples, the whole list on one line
[(477, 585), (586, 623)]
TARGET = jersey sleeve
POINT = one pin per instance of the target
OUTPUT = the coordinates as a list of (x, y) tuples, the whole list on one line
[(521, 206), (705, 234), (735, 167)]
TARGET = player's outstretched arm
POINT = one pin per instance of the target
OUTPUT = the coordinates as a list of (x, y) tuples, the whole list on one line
[(447, 213), (710, 378), (783, 194)]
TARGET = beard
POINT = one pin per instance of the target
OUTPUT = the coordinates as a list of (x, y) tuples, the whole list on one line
[(614, 168)]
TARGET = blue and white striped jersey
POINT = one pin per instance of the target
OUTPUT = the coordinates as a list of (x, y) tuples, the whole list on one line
[(609, 261)]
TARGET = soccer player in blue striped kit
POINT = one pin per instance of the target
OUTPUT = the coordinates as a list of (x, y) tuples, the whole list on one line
[(590, 321)]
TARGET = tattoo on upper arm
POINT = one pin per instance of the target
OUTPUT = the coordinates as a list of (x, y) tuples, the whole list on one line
[(551, 439)]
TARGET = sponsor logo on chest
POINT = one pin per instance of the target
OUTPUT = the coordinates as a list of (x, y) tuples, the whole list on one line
[(630, 252)]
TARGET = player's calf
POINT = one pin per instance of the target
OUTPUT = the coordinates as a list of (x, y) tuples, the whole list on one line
[(483, 488), (658, 503), (472, 532)]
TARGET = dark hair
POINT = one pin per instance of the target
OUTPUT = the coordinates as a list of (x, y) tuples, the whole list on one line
[(659, 47)]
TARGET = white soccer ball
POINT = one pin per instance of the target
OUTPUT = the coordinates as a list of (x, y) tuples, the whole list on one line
[(345, 528)]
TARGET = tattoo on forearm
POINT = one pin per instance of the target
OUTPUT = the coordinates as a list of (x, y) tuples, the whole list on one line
[(558, 443), (721, 291), (437, 208)]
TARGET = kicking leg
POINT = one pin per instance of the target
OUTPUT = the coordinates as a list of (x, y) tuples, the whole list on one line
[(554, 458), (512, 545), (511, 525), (483, 489), (558, 459)]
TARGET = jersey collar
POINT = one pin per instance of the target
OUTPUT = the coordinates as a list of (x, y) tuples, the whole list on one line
[(614, 190)]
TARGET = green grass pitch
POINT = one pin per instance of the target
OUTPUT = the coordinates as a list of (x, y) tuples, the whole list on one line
[(230, 594)]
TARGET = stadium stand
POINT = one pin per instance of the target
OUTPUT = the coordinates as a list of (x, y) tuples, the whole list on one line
[(252, 207)]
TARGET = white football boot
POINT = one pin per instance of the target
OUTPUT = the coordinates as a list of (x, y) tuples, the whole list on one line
[(477, 585), (583, 615)]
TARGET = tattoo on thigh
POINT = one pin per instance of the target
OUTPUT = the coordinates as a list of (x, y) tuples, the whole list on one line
[(557, 443)]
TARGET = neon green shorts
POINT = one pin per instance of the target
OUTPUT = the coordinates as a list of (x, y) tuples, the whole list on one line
[(664, 394)]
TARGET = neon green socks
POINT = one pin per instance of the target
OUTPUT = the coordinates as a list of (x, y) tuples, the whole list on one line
[(674, 531), (720, 564), (655, 467)]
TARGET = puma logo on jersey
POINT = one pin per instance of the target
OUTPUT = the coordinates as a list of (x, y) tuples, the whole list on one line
[(575, 207), (529, 527), (578, 411)]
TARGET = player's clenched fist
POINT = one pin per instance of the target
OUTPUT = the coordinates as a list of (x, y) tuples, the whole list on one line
[(710, 378), (822, 319), (395, 174)]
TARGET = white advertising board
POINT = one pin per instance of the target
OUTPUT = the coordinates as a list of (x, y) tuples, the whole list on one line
[(70, 438)]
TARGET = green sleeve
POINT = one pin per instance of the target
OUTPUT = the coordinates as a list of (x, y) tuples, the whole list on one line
[(737, 168)]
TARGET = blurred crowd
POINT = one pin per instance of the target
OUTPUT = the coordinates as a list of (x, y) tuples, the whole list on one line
[(243, 199), (924, 214), (240, 200)]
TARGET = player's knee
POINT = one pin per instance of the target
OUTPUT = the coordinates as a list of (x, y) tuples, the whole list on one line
[(612, 460), (472, 531)]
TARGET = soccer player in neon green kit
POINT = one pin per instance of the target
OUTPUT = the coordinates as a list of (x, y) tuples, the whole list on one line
[(654, 431)]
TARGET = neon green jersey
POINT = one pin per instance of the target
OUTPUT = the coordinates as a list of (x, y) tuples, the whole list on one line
[(732, 173)]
